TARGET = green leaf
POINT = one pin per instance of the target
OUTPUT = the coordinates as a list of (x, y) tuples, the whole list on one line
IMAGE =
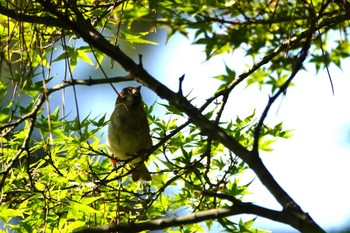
[(265, 145), (6, 213), (82, 55), (136, 38), (84, 208)]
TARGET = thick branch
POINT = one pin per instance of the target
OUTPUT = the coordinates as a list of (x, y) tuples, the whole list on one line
[(162, 223), (19, 16), (88, 82)]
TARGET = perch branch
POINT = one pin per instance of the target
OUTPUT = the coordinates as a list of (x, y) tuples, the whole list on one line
[(162, 223)]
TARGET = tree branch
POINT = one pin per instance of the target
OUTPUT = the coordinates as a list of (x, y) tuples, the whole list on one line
[(272, 54), (25, 144), (19, 16), (5, 129), (283, 88), (88, 82), (162, 223)]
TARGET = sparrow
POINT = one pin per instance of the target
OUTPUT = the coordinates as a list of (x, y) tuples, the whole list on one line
[(129, 133)]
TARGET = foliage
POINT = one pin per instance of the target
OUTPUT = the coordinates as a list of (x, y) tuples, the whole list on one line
[(55, 172)]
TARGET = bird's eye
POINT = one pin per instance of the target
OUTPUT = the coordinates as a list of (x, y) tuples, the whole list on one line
[(134, 91)]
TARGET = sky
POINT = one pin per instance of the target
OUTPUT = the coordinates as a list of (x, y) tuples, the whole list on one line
[(312, 166)]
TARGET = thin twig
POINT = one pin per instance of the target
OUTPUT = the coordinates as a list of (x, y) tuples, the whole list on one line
[(283, 88), (25, 144)]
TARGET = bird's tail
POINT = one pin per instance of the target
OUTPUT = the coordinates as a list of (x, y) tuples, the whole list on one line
[(140, 171)]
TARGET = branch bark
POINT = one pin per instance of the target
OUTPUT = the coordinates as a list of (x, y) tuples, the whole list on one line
[(162, 223), (22, 17)]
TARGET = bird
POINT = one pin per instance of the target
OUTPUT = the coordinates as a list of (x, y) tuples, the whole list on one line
[(129, 132)]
